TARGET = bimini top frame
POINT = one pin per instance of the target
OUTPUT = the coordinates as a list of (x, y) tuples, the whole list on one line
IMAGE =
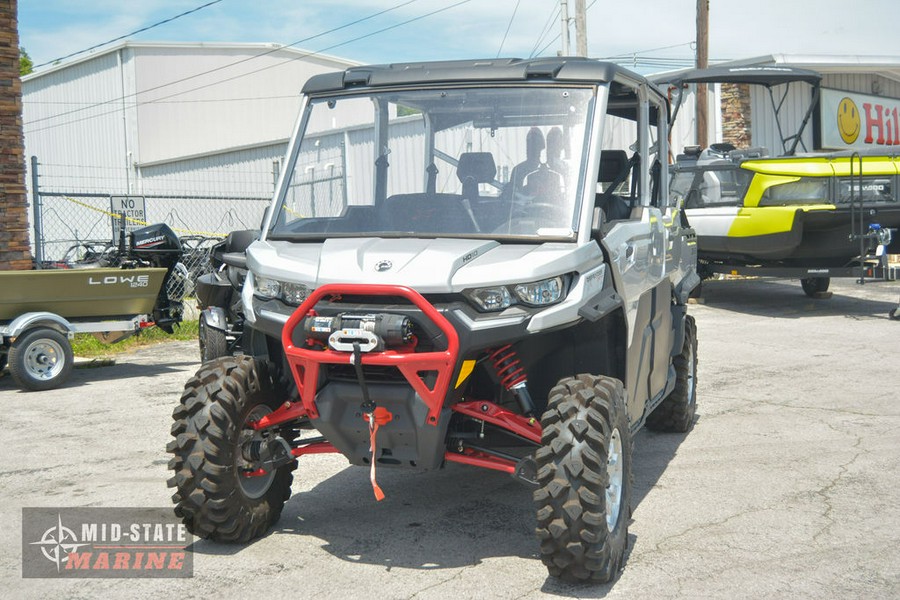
[(767, 77)]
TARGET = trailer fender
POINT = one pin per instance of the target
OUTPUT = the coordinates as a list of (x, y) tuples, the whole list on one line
[(23, 323)]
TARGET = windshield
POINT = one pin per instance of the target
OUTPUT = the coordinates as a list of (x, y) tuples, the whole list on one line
[(452, 162)]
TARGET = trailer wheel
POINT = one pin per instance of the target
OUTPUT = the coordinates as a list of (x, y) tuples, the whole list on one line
[(212, 341), (41, 359), (814, 287), (584, 478), (676, 412), (220, 492)]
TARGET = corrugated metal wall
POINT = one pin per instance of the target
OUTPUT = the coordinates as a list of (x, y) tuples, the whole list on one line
[(73, 122), (194, 101)]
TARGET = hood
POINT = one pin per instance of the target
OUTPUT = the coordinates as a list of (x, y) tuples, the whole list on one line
[(427, 265)]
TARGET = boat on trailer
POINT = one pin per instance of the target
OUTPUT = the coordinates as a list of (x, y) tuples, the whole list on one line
[(812, 216)]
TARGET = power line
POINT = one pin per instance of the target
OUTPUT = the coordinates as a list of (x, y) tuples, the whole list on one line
[(122, 37), (226, 66), (508, 26), (544, 31), (304, 55)]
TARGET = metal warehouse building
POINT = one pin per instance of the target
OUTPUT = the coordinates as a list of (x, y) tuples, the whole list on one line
[(197, 130)]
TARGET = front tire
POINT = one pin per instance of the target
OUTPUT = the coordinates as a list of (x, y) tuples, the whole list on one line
[(41, 359), (676, 413), (213, 343), (584, 477), (216, 496), (814, 287)]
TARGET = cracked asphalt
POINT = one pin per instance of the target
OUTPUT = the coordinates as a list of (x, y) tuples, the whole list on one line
[(788, 486)]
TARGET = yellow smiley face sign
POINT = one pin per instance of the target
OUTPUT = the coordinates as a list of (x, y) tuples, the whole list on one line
[(848, 121)]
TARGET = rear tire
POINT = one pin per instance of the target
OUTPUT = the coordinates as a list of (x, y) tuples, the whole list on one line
[(676, 413), (41, 359), (214, 497), (814, 286), (584, 477), (213, 343)]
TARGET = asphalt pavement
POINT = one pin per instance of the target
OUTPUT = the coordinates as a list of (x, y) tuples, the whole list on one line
[(788, 486)]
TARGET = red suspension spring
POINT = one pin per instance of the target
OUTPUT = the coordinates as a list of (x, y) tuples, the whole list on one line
[(508, 366)]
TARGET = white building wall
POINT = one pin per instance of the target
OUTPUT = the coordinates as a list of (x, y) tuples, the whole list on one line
[(74, 123), (196, 100)]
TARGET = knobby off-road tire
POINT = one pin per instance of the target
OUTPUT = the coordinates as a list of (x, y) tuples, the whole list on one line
[(814, 286), (676, 412), (214, 499), (41, 359), (212, 341), (584, 477)]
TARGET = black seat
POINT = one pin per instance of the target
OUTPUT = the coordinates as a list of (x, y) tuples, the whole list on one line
[(614, 167), (475, 168)]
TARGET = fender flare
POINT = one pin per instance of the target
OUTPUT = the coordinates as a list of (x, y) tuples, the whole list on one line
[(215, 318)]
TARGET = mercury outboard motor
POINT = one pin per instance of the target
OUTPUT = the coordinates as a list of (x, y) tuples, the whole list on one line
[(159, 246)]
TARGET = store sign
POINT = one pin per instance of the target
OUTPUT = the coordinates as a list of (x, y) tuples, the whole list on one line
[(851, 120)]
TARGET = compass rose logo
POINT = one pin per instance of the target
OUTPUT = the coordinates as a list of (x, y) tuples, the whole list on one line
[(58, 542)]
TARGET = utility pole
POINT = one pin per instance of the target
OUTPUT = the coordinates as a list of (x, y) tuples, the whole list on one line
[(580, 29), (702, 63), (564, 18)]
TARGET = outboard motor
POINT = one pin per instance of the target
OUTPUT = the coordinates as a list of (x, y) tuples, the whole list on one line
[(159, 246)]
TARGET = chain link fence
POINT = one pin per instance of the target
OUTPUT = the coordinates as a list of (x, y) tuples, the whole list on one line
[(78, 213)]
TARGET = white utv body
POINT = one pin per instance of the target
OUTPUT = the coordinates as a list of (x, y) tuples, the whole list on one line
[(471, 262)]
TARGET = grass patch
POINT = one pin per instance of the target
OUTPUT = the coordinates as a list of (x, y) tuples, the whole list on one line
[(88, 346)]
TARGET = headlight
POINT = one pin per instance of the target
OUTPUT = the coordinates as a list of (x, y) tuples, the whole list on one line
[(540, 293), (294, 293), (287, 292), (536, 294), (494, 298), (267, 288)]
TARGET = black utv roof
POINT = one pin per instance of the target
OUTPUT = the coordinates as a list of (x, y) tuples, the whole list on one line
[(767, 76), (574, 69)]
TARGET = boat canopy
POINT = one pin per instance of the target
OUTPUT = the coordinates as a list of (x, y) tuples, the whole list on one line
[(766, 76)]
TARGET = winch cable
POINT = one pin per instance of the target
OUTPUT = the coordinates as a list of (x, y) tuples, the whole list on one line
[(376, 416)]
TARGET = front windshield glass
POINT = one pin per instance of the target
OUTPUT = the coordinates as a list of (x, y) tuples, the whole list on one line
[(446, 162)]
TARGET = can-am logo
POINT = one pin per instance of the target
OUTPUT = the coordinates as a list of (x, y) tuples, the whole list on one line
[(94, 542), (135, 281)]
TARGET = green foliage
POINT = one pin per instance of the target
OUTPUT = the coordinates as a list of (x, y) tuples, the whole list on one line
[(26, 65), (87, 346), (405, 111)]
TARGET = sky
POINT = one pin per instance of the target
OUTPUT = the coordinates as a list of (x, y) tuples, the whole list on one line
[(654, 35)]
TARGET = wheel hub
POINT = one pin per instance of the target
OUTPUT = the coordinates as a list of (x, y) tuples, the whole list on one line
[(43, 359), (253, 483), (615, 470)]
